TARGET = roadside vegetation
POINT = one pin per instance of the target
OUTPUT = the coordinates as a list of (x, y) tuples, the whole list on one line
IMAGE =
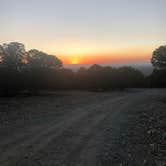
[(30, 71)]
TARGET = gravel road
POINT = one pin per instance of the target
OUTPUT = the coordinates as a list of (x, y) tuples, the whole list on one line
[(77, 129)]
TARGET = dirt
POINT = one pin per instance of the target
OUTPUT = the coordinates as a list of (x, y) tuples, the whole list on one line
[(84, 129)]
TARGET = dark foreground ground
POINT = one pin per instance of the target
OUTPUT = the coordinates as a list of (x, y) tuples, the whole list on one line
[(84, 129)]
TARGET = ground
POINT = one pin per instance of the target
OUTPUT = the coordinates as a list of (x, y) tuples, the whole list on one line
[(75, 128)]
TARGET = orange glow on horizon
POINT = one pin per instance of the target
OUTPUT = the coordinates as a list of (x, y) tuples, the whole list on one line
[(106, 58)]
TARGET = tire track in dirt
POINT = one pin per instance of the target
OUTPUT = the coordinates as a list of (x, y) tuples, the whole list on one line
[(87, 152), (88, 145), (41, 139)]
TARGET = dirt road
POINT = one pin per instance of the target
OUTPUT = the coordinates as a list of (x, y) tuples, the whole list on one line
[(79, 131)]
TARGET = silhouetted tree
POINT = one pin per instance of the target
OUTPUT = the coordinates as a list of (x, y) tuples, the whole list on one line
[(159, 58), (12, 55), (12, 59), (158, 77), (39, 59), (129, 77), (21, 70), (39, 67), (107, 78)]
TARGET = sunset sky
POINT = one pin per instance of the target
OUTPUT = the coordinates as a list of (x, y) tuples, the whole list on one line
[(86, 31)]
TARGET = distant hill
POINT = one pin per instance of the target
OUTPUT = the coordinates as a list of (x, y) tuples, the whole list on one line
[(145, 68)]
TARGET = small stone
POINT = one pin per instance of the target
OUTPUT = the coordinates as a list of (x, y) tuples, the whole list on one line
[(152, 131), (129, 154), (145, 161)]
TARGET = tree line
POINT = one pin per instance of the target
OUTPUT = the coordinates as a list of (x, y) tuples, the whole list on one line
[(30, 71)]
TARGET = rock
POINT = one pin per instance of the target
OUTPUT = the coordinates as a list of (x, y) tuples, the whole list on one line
[(144, 161), (154, 148), (151, 119), (129, 154), (152, 131)]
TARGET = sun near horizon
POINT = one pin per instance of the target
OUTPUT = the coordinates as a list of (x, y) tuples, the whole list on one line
[(74, 61)]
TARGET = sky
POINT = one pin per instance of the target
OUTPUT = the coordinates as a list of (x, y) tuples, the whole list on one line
[(86, 31)]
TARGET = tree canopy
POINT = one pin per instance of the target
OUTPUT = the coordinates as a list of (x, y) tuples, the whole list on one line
[(159, 58), (14, 56), (40, 59), (158, 77)]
